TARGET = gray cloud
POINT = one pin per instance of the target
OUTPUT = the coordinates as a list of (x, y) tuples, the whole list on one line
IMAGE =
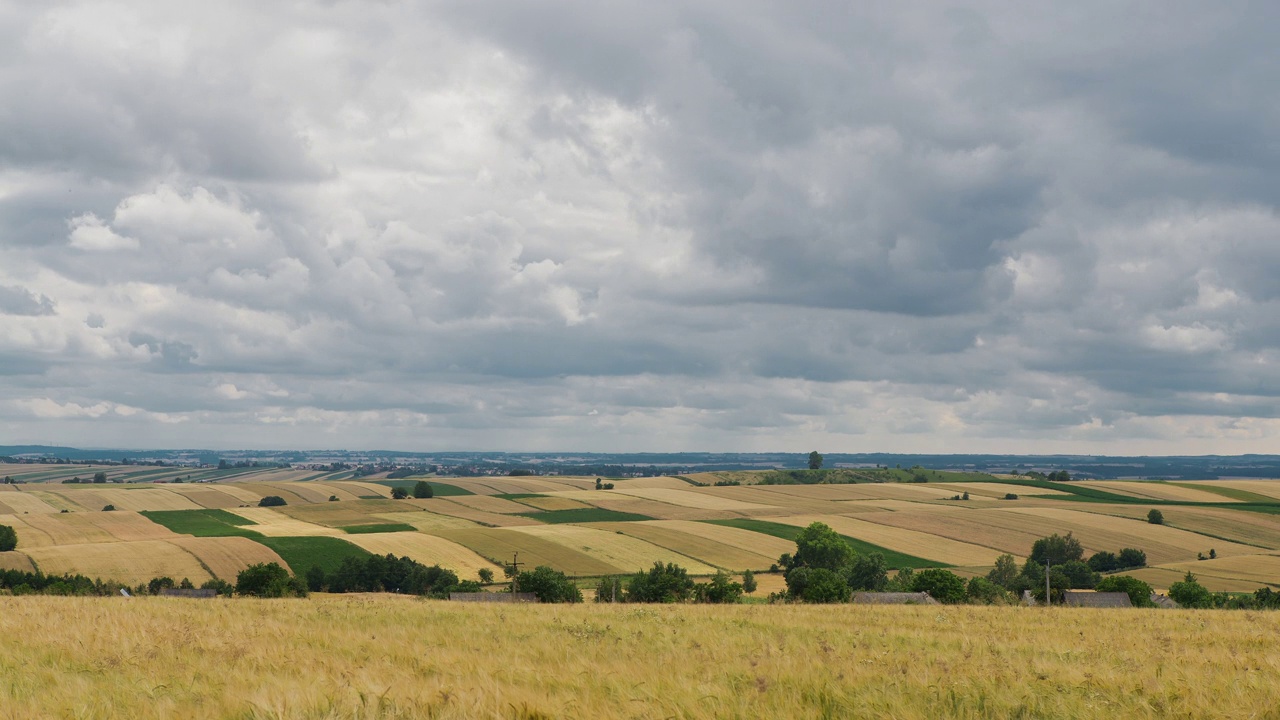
[(641, 226)]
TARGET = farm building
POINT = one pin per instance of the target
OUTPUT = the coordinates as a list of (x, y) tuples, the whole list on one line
[(1081, 598), (894, 598)]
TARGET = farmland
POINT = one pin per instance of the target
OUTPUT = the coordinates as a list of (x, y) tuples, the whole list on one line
[(394, 657), (565, 523)]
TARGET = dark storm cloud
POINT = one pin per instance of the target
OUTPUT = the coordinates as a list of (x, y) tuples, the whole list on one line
[(641, 225)]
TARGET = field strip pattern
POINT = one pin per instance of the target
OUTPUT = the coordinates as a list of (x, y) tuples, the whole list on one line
[(25, 502), (129, 562), (274, 524), (501, 543), (716, 545), (426, 549), (1154, 490), (963, 527), (1153, 539), (622, 551), (911, 542), (227, 556), (446, 506), (427, 521)]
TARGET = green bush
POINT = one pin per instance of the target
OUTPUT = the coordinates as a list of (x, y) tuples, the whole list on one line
[(399, 493), (1138, 591), (661, 584), (749, 582), (486, 575), (8, 538), (982, 590), (609, 590), (1190, 594), (942, 585), (551, 586), (269, 580), (108, 508), (271, 501), (817, 585), (720, 590), (422, 489), (1155, 517)]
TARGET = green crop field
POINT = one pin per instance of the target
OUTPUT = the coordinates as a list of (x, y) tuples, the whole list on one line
[(302, 553), (203, 523), (584, 515), (377, 528)]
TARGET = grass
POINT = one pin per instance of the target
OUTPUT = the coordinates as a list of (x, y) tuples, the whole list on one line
[(584, 515), (302, 553), (360, 657), (378, 528), (895, 559), (202, 523)]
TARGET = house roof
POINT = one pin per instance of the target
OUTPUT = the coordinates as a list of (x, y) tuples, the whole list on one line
[(1081, 598), (894, 598)]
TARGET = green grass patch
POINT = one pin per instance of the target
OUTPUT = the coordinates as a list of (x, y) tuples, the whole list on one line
[(895, 559), (377, 528), (584, 515), (517, 496), (202, 523), (303, 553), (1232, 493)]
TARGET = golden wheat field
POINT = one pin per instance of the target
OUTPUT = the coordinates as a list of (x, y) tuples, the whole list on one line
[(387, 657)]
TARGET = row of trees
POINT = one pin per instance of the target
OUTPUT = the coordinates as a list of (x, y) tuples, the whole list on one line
[(388, 573), (421, 490)]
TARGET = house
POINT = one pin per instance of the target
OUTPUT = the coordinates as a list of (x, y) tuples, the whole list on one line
[(1083, 598), (894, 598)]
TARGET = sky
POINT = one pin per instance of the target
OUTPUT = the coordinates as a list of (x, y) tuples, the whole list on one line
[(641, 226)]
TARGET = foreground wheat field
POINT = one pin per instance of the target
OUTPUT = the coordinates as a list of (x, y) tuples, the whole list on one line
[(396, 657)]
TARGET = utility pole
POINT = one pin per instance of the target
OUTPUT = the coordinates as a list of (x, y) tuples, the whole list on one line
[(1046, 580), (515, 574)]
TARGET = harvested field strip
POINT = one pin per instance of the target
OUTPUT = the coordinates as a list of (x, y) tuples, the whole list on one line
[(61, 501), (911, 542), (427, 521), (325, 490), (997, 490), (502, 544), (1161, 543), (1269, 489), (1160, 578), (360, 489), (706, 550), (960, 527), (127, 562), (671, 483), (1253, 568), (15, 560), (303, 553), (337, 514), (489, 503), (69, 528), (789, 532), (768, 545), (145, 499), (446, 506), (544, 502), (124, 525), (241, 493), (691, 499), (25, 502), (1254, 529), (225, 557), (377, 528), (28, 536), (264, 490), (1233, 493), (305, 493), (207, 497), (1154, 490), (274, 524), (629, 553), (204, 523), (428, 550), (585, 515)]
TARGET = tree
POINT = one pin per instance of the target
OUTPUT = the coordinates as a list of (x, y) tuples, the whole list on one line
[(1079, 573), (748, 582), (486, 575), (1190, 593), (161, 583), (316, 579), (8, 538), (817, 585), (1056, 549), (818, 546), (1005, 573), (942, 585), (100, 477), (1104, 561), (271, 501), (108, 508), (550, 586), (1155, 517), (982, 590), (1139, 592), (269, 580), (1213, 553), (399, 493), (422, 490), (720, 590), (609, 590), (661, 584), (815, 460), (869, 572), (1132, 558)]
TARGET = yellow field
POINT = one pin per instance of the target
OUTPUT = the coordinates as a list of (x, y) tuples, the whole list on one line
[(486, 503), (1246, 527), (966, 527), (339, 514), (15, 560), (552, 503), (924, 545), (1162, 543), (621, 551), (152, 498), (244, 496), (1155, 490), (1258, 568), (1270, 488), (362, 488), (501, 544), (685, 542), (996, 490), (225, 557), (128, 562), (691, 499), (426, 549), (274, 524), (353, 657), (207, 497), (24, 502), (427, 521), (446, 506)]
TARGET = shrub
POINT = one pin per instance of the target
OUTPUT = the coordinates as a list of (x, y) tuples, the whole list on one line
[(550, 586), (161, 583), (1104, 561), (486, 575), (942, 585), (817, 585), (99, 477), (399, 493), (8, 538), (1139, 592), (269, 580), (1005, 573), (1190, 593), (1132, 558), (1010, 496), (222, 587), (1057, 549), (1155, 517), (869, 572), (333, 498), (982, 590), (609, 590), (108, 508), (661, 584), (719, 590), (422, 489), (748, 582), (1079, 574), (271, 501)]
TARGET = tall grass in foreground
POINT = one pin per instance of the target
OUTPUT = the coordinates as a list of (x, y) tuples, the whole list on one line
[(392, 657)]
